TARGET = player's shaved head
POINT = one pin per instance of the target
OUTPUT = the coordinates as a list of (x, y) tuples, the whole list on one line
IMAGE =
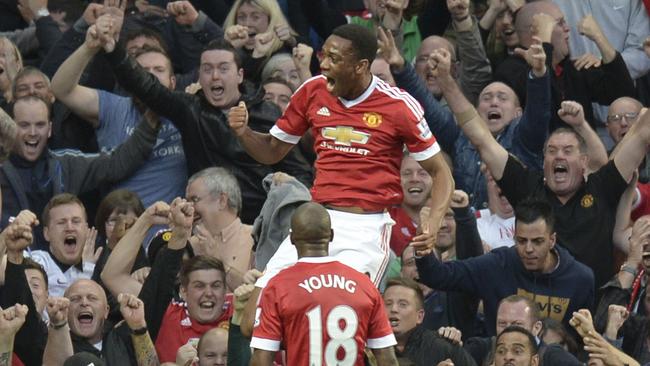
[(311, 226)]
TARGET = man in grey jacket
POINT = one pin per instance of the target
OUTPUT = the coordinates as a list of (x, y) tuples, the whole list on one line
[(33, 174)]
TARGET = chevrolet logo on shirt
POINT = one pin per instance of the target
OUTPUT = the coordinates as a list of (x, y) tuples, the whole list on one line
[(343, 135)]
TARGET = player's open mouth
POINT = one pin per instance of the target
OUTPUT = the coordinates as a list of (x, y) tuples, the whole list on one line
[(330, 83)]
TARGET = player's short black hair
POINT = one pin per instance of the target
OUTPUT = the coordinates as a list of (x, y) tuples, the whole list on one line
[(364, 40), (534, 347)]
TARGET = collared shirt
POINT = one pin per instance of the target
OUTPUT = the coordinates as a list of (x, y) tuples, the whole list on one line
[(59, 279), (234, 245)]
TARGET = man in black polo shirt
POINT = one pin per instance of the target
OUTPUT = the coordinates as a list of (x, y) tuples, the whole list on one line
[(584, 208)]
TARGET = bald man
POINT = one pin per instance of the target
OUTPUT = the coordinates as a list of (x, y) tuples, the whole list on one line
[(299, 302), (213, 348)]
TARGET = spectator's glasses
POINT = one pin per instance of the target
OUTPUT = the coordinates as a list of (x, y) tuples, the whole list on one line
[(617, 118)]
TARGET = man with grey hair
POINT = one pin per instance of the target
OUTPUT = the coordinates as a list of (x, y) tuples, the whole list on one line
[(218, 230)]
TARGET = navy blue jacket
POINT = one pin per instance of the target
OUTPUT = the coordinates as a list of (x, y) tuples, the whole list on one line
[(524, 137), (500, 273)]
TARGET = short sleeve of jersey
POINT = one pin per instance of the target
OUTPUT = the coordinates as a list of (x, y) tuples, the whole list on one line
[(418, 138), (293, 124), (516, 181), (380, 334), (267, 330)]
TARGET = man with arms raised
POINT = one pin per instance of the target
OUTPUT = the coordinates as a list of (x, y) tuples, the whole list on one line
[(360, 126)]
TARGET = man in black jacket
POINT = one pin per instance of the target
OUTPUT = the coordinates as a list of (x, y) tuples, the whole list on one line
[(405, 307), (207, 138)]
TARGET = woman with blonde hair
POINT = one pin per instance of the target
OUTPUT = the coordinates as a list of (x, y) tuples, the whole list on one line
[(10, 63), (260, 28)]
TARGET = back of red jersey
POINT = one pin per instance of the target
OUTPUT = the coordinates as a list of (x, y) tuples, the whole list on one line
[(323, 312), (358, 142)]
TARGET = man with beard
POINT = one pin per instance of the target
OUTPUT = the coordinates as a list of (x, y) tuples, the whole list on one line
[(164, 174)]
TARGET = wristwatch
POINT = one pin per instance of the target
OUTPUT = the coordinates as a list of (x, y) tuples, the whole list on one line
[(42, 12)]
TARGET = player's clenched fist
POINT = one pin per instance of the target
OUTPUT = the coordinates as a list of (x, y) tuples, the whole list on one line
[(238, 119)]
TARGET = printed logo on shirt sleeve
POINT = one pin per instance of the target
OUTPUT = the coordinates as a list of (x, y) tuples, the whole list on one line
[(425, 132), (258, 313)]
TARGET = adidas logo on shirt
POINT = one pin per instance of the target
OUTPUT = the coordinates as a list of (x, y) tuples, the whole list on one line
[(323, 111)]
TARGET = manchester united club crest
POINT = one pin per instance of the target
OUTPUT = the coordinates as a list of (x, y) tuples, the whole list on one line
[(372, 119), (587, 201)]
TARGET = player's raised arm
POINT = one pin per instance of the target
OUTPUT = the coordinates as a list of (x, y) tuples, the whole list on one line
[(262, 147)]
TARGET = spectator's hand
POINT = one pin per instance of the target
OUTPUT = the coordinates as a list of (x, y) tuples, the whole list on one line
[(92, 38), (451, 334), (242, 293), (157, 214), (425, 240), (646, 46), (459, 199), (143, 6), (183, 12), (18, 237), (616, 316), (589, 28), (388, 48), (116, 8), (193, 88), (11, 319), (182, 215), (639, 238), (572, 113), (392, 18), (542, 26), (203, 243), (515, 5), (236, 35), (26, 217), (439, 64), (186, 355), (498, 6), (105, 26), (263, 44), (251, 276), (238, 119), (141, 274), (92, 12), (534, 56), (57, 310), (302, 56), (132, 310), (587, 61), (447, 362), (89, 254), (459, 9), (283, 32), (582, 322), (599, 348), (121, 226)]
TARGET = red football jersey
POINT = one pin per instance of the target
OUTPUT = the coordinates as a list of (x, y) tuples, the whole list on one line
[(323, 312), (359, 142), (177, 328), (403, 231)]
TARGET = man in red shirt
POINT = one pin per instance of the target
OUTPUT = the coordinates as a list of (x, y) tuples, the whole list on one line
[(360, 126), (321, 311)]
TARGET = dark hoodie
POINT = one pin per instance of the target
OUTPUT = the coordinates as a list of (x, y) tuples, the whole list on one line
[(500, 273)]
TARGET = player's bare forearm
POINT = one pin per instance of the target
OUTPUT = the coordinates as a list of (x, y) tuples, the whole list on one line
[(145, 352), (263, 147), (443, 187), (385, 356)]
